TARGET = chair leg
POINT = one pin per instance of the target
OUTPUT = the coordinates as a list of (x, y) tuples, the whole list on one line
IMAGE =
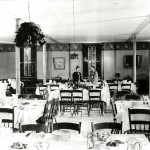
[(99, 109), (89, 109), (81, 111)]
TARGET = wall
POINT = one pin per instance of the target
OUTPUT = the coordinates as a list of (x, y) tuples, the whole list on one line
[(54, 51), (113, 59), (112, 62), (7, 65)]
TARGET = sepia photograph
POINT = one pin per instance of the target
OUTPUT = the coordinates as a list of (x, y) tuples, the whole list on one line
[(74, 74)]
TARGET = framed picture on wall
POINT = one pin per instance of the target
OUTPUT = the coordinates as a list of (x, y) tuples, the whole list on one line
[(59, 63), (128, 61)]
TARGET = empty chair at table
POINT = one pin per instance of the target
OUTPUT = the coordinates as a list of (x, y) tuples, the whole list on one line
[(77, 96), (114, 108), (67, 125), (115, 128), (7, 116), (126, 87), (58, 79), (47, 117), (66, 103), (132, 97), (23, 96), (55, 109), (113, 87), (95, 101), (34, 96), (34, 127), (139, 120), (54, 87)]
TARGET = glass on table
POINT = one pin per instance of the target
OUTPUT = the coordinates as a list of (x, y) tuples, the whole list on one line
[(133, 144), (91, 137)]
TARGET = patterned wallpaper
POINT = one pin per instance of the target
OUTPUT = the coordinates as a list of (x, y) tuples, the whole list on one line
[(7, 48), (78, 46), (125, 46)]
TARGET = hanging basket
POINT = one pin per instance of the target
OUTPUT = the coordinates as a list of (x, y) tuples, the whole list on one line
[(29, 34)]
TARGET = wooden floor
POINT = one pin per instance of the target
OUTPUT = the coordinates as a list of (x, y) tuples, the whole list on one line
[(86, 120)]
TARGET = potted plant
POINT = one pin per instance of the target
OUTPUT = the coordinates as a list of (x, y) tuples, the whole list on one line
[(29, 34)]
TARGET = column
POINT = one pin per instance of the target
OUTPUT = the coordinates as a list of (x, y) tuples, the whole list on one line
[(17, 60), (44, 64), (134, 59), (149, 68)]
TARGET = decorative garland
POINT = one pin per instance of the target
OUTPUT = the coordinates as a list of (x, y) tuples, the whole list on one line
[(29, 34)]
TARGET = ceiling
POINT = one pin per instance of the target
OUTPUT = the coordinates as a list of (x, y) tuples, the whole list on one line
[(79, 21)]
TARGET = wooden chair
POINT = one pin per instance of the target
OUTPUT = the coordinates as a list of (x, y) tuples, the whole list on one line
[(66, 103), (132, 97), (139, 125), (54, 87), (34, 127), (5, 121), (114, 108), (58, 79), (116, 128), (23, 96), (95, 101), (46, 118), (67, 125), (126, 88), (112, 88), (55, 109), (77, 96), (34, 96)]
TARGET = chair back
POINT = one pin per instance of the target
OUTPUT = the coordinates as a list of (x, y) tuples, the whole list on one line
[(113, 86), (34, 96), (48, 112), (58, 79), (67, 125), (7, 122), (126, 87), (114, 108), (66, 95), (95, 95), (77, 95), (132, 97), (54, 87), (139, 120), (24, 96), (34, 127), (55, 108), (116, 128)]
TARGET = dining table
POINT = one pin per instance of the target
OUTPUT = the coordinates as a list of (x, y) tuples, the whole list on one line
[(25, 111), (122, 111), (63, 141), (105, 93)]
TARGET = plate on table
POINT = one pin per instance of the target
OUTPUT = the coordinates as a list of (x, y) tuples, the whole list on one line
[(61, 135), (25, 103), (18, 146)]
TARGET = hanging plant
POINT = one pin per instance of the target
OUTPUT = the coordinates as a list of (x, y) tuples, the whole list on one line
[(29, 34)]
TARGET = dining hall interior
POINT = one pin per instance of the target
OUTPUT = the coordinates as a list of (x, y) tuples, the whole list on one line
[(74, 74)]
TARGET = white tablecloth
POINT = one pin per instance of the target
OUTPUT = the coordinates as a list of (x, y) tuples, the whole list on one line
[(122, 112), (75, 142), (26, 112)]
